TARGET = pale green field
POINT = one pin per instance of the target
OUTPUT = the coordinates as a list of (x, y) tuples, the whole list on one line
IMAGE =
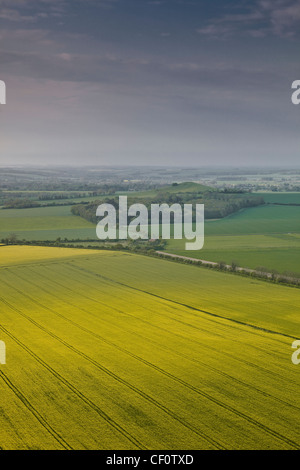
[(116, 351), (45, 223), (20, 255)]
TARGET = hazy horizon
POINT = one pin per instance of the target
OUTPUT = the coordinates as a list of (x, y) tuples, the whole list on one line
[(154, 166)]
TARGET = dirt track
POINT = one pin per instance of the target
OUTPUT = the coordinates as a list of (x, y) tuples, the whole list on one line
[(211, 263)]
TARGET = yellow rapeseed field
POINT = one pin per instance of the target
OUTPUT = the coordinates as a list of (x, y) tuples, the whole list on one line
[(109, 350)]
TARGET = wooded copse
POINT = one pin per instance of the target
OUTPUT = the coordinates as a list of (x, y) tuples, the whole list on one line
[(217, 204)]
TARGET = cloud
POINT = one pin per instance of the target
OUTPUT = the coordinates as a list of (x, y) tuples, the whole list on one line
[(29, 11), (284, 16), (140, 76), (215, 30), (33, 10), (264, 17), (14, 15)]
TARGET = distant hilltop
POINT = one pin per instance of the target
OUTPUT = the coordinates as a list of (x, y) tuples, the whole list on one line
[(187, 187)]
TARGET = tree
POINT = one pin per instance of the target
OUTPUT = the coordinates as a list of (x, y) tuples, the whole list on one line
[(12, 239), (234, 265), (221, 265)]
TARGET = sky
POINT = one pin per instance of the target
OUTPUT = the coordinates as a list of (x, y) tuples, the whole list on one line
[(141, 82)]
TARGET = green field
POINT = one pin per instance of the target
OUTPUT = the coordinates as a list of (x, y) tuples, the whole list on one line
[(279, 252), (108, 350), (281, 198), (44, 223), (257, 220), (265, 236)]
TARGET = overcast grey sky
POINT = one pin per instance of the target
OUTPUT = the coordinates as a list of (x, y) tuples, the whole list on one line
[(142, 82)]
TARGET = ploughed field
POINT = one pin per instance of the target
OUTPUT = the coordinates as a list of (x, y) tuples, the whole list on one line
[(111, 350)]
